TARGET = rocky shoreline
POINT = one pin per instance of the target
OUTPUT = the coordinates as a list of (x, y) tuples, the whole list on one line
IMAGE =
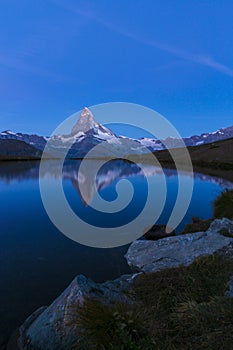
[(50, 328)]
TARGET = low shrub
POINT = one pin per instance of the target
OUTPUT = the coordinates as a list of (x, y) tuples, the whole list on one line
[(223, 205), (197, 225)]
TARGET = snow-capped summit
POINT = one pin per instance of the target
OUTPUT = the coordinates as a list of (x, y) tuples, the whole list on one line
[(86, 125), (85, 122)]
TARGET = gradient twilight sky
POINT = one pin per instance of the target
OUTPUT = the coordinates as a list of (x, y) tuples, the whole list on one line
[(57, 56)]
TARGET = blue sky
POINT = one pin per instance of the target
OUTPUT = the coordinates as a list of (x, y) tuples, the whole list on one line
[(57, 56)]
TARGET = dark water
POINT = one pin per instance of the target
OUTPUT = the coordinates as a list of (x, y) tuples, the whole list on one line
[(37, 262)]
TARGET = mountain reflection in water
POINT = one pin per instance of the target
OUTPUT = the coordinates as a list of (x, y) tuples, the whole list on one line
[(108, 173)]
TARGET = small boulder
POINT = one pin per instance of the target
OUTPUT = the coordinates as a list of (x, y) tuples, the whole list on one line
[(151, 256)]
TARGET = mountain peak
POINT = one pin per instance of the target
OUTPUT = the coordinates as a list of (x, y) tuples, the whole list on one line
[(85, 122), (86, 113)]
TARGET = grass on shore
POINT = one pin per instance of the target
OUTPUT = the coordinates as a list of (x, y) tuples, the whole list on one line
[(197, 225), (180, 308), (222, 207)]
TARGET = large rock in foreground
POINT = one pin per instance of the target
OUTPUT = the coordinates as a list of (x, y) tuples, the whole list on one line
[(151, 256), (51, 328)]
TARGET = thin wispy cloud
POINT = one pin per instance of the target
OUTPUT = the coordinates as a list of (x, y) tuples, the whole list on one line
[(201, 59), (210, 62), (196, 58), (15, 63)]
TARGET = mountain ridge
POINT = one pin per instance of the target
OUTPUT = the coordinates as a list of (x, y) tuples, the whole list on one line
[(16, 149), (87, 133)]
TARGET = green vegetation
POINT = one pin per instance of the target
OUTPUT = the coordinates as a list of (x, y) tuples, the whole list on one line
[(223, 205), (208, 324), (181, 308), (217, 155), (117, 326), (213, 165), (197, 225)]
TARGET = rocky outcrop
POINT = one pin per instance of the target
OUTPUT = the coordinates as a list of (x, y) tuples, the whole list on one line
[(51, 328), (151, 256)]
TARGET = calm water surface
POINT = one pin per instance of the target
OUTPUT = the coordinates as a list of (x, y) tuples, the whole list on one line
[(37, 262)]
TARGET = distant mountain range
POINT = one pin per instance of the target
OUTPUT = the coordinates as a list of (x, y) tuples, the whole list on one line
[(87, 133)]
